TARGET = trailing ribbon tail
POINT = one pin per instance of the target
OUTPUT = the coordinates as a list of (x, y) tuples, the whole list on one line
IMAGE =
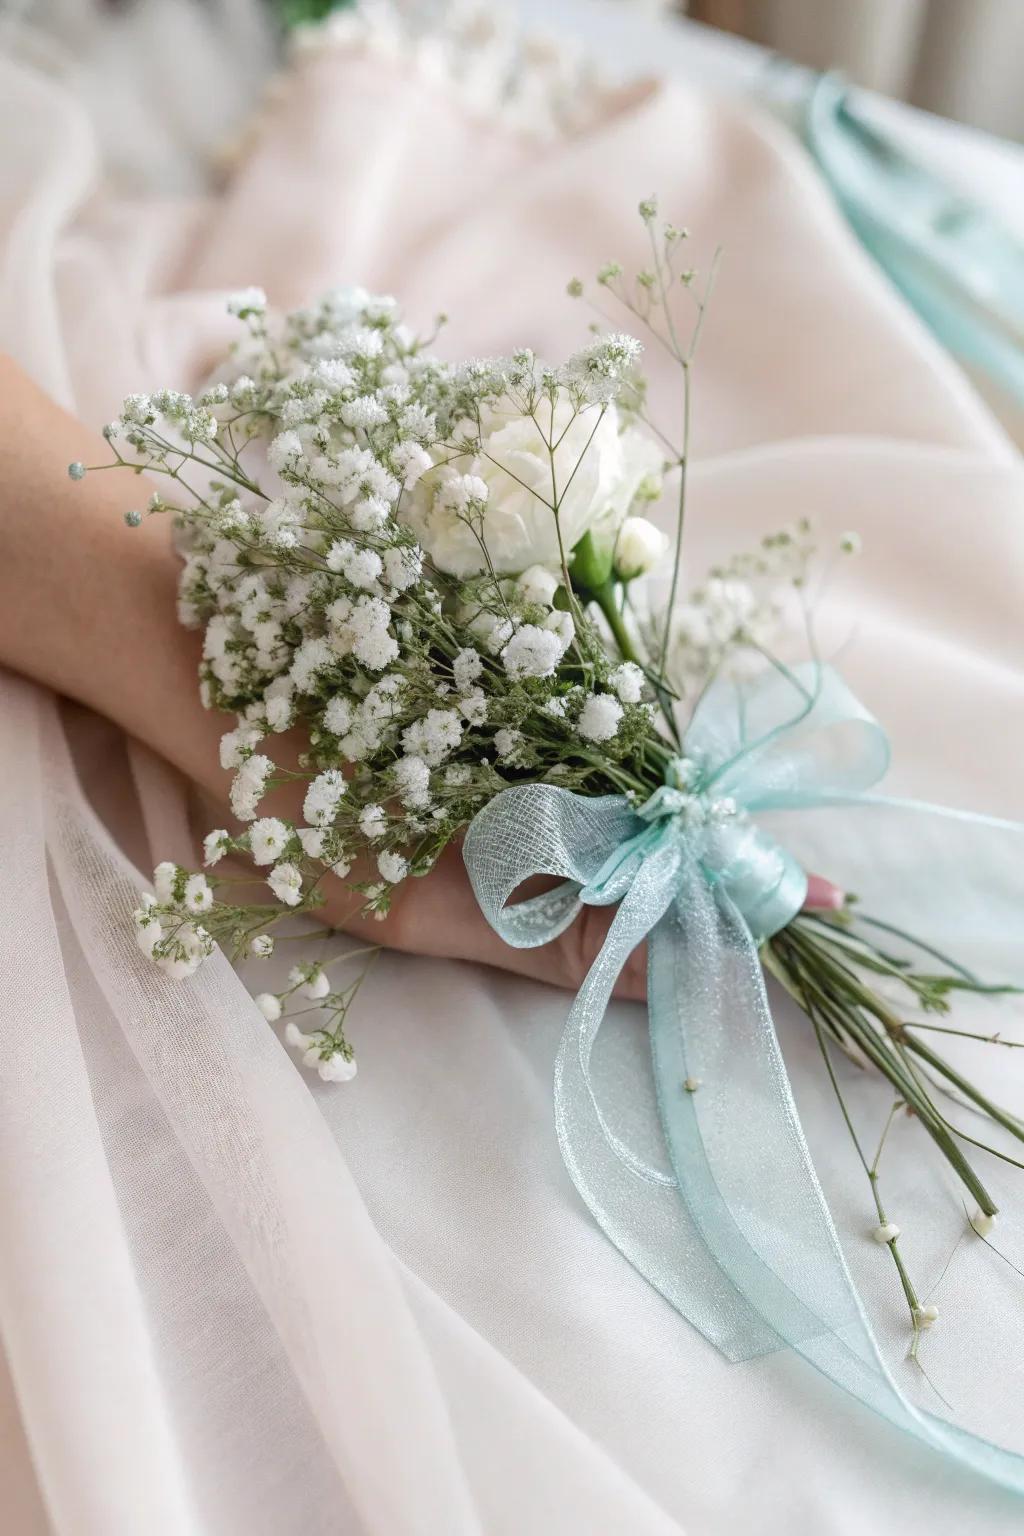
[(712, 1195)]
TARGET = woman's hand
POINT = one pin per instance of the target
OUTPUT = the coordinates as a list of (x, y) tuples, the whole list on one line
[(88, 608)]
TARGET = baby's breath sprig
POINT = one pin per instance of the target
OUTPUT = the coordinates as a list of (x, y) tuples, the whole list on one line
[(835, 969), (434, 574), (390, 554)]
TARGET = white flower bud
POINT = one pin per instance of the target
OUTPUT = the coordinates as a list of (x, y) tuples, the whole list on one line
[(888, 1232), (924, 1317), (638, 548), (270, 1006), (982, 1223)]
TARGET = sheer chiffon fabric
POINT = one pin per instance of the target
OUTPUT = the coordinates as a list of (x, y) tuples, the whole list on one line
[(235, 1302)]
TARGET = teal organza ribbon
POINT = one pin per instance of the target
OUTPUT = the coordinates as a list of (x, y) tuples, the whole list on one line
[(953, 260), (714, 1197)]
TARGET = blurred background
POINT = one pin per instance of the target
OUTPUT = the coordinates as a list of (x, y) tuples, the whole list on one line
[(960, 59), (963, 59), (912, 110)]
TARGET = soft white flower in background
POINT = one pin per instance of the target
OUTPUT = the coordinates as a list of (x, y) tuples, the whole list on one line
[(248, 301), (638, 548), (596, 468)]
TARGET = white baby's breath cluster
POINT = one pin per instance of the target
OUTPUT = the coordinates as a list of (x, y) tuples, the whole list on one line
[(417, 583), (378, 548)]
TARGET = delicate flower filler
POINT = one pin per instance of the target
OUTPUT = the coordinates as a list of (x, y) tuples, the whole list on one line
[(377, 549), (437, 577)]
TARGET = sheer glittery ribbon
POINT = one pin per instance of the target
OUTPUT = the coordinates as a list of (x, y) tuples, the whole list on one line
[(712, 1194)]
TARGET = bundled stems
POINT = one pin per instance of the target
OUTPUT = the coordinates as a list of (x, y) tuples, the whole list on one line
[(819, 971)]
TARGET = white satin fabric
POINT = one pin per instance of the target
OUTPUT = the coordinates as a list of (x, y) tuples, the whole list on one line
[(233, 1302)]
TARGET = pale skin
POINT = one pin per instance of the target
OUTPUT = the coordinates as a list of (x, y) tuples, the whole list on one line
[(87, 608)]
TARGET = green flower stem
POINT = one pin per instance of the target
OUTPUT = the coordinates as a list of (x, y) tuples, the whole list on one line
[(1000, 1116), (838, 993), (604, 597)]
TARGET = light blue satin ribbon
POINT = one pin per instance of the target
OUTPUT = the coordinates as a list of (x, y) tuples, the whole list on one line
[(713, 1196)]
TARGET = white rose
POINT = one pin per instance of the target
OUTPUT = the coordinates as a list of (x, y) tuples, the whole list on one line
[(638, 548), (597, 472), (642, 465)]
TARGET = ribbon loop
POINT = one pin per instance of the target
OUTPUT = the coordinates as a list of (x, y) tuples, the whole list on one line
[(721, 1210)]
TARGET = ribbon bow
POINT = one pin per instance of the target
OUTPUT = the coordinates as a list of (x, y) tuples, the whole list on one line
[(701, 1174)]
